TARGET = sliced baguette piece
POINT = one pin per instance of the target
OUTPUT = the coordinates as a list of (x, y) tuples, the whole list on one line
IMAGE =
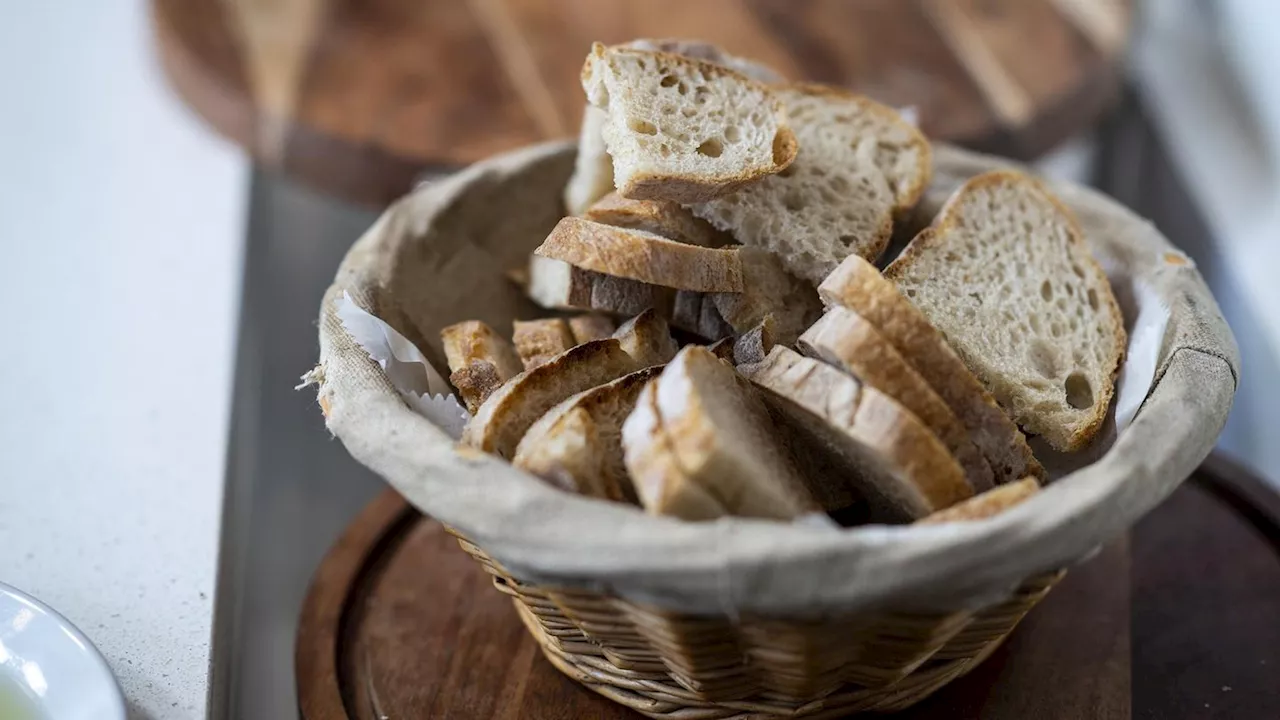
[(593, 169), (988, 504), (502, 420), (537, 341), (591, 326), (647, 338), (661, 484), (681, 129), (836, 199), (472, 340), (1005, 274), (479, 360), (769, 290), (859, 286), (642, 256), (557, 285), (660, 217), (845, 339), (899, 467), (577, 445), (724, 439)]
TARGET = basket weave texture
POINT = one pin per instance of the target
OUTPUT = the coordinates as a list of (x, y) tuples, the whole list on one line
[(676, 665)]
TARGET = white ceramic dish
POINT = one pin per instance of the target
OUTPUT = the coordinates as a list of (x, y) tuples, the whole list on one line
[(48, 669)]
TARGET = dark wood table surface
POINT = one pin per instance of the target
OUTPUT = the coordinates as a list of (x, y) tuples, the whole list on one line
[(358, 97), (1180, 619)]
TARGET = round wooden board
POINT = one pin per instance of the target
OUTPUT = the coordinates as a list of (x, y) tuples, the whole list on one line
[(359, 96), (1179, 620)]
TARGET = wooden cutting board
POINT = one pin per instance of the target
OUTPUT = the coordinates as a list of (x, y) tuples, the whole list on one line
[(1179, 620), (360, 96)]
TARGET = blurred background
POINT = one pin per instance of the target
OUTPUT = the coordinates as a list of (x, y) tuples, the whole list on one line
[(179, 178)]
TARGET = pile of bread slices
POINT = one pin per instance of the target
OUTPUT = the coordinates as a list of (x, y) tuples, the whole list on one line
[(730, 346)]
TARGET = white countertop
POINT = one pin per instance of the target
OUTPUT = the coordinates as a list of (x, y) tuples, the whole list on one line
[(122, 221)]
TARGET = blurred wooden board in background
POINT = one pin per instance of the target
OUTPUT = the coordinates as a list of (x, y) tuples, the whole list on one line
[(1181, 619), (358, 97)]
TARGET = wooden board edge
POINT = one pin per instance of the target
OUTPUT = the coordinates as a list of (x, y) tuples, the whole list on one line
[(316, 648)]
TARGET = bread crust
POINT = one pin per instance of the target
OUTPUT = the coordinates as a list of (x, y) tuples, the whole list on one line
[(660, 217), (936, 236), (845, 339), (988, 504), (858, 285), (504, 417), (909, 194), (689, 188), (902, 469), (643, 257)]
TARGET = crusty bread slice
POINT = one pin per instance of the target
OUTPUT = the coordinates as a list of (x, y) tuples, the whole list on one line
[(660, 217), (642, 256), (593, 169), (591, 326), (503, 418), (858, 285), (899, 467), (988, 504), (681, 129), (1006, 275), (479, 360), (859, 162), (577, 445), (724, 440), (647, 338), (557, 285), (846, 340), (537, 341), (768, 289), (661, 484)]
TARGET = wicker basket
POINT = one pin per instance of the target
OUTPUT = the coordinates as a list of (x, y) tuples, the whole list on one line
[(675, 665), (743, 618)]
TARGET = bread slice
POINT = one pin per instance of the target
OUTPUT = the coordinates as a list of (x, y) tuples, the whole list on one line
[(592, 176), (1005, 274), (593, 169), (642, 256), (577, 445), (681, 129), (591, 326), (901, 468), (858, 164), (537, 341), (503, 418), (846, 340), (479, 360), (754, 345), (724, 440), (988, 504), (557, 285), (661, 484), (859, 286), (660, 217), (768, 289), (647, 338)]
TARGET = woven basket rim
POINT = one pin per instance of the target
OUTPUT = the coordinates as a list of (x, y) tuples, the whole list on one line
[(746, 565)]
